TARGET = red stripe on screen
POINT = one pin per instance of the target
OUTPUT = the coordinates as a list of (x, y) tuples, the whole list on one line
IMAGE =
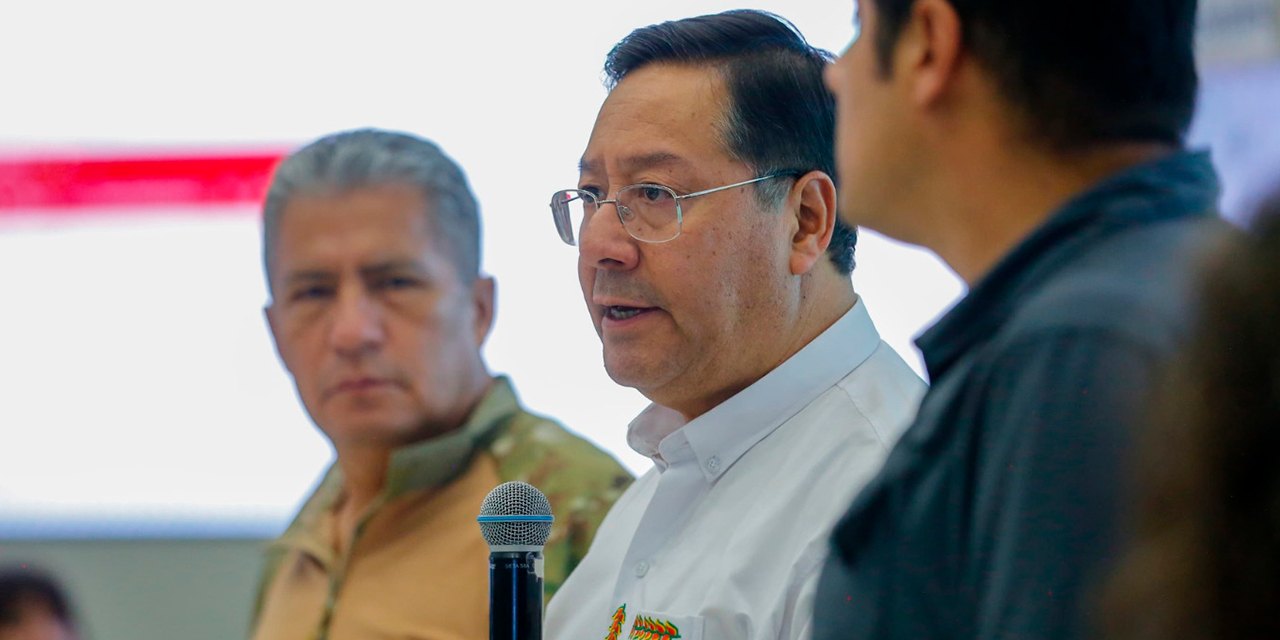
[(74, 184)]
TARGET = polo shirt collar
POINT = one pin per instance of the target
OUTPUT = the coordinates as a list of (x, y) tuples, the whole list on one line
[(719, 437)]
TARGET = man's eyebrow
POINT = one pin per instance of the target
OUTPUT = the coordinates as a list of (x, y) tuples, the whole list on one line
[(633, 164), (375, 269), (308, 275)]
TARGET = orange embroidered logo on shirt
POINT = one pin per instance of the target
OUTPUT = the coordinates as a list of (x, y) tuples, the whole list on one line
[(650, 629), (615, 625)]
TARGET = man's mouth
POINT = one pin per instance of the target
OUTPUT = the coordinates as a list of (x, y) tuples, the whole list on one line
[(358, 385), (617, 312)]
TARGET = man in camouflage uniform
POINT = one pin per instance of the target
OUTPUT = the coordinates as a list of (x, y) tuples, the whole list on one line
[(378, 311)]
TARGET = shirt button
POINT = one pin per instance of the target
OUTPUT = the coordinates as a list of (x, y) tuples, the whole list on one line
[(642, 568), (713, 464)]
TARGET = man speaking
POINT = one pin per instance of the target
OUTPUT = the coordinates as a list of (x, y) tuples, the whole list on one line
[(378, 310), (716, 273)]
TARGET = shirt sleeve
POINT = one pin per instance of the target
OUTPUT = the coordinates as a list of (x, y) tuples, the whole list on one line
[(1058, 416)]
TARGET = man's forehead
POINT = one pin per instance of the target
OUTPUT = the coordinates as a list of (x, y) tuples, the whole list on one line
[(633, 163), (357, 201), (658, 115), (323, 238), (336, 215)]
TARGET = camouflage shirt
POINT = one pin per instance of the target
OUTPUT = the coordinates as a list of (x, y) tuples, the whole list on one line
[(418, 546)]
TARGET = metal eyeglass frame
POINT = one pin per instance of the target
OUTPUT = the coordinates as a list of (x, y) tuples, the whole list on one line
[(564, 233)]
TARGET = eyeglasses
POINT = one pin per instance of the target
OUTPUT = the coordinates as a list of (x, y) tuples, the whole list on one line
[(649, 212)]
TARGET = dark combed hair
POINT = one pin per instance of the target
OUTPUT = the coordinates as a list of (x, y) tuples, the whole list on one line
[(1206, 555), (780, 116), (21, 588), (1084, 72)]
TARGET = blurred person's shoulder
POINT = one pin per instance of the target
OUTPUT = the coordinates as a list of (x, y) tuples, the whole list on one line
[(1136, 285), (573, 472), (1121, 258), (580, 480)]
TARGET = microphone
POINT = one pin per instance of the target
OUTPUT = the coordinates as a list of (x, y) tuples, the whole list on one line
[(515, 519)]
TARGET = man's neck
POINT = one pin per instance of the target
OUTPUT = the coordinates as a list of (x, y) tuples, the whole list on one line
[(364, 474), (366, 462), (999, 201), (820, 301)]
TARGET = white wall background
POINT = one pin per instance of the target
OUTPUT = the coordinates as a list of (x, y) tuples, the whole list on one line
[(139, 393)]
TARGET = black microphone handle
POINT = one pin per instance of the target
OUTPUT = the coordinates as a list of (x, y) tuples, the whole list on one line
[(515, 595)]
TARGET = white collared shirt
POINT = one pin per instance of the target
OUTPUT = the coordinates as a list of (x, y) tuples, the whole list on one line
[(725, 537)]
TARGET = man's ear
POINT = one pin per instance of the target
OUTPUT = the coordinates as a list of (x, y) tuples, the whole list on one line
[(482, 298), (929, 50), (813, 203)]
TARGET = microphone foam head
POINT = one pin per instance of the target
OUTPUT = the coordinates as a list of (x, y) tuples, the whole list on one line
[(515, 514)]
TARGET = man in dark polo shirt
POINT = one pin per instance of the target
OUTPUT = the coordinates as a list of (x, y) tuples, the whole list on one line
[(1036, 147)]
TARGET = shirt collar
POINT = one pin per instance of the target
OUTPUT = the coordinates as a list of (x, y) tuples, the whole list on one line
[(1181, 184), (719, 437), (421, 465), (437, 461)]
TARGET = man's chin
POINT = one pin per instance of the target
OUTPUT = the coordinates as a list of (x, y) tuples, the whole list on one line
[(640, 374), (369, 430)]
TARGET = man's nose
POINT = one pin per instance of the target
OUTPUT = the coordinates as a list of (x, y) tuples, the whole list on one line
[(357, 323), (605, 244)]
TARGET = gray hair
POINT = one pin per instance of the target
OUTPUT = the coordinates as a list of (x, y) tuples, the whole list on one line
[(372, 157)]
